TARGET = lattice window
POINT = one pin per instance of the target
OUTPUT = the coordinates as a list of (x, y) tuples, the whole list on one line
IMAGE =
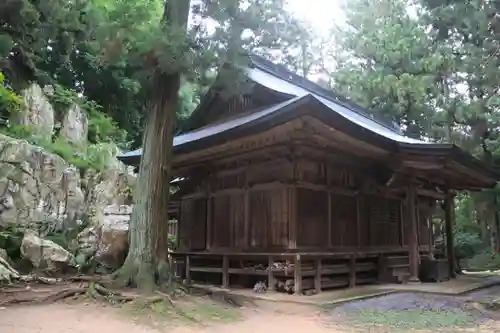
[(384, 221)]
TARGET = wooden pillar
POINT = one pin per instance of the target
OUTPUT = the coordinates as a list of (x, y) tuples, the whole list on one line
[(297, 281), (449, 212), (208, 242), (292, 235), (413, 239), (358, 220), (429, 231), (329, 210), (292, 202), (225, 272), (401, 225), (178, 229), (188, 269), (352, 271), (246, 203), (317, 277), (270, 274)]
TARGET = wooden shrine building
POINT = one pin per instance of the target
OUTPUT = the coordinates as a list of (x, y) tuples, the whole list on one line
[(295, 186)]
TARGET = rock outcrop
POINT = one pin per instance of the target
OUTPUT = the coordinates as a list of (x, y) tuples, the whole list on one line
[(7, 273), (108, 242), (42, 192), (74, 125), (45, 253), (37, 113), (37, 186)]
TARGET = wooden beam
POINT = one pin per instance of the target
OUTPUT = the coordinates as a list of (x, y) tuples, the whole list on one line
[(449, 204), (317, 276), (246, 217), (424, 193), (330, 226), (297, 276), (414, 251), (270, 138), (352, 271), (401, 224), (225, 272), (208, 241), (429, 232), (270, 274), (188, 269), (332, 189), (292, 204), (358, 221)]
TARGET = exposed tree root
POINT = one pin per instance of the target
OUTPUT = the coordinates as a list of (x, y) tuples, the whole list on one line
[(93, 290), (58, 296), (84, 278), (144, 276), (53, 297)]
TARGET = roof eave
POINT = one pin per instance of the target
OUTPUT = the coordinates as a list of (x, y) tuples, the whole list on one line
[(457, 154)]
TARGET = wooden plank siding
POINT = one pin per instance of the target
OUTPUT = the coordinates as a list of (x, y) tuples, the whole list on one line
[(269, 218), (312, 218), (293, 202), (344, 220)]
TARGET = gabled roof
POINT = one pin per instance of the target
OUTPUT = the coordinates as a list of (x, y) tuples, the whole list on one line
[(278, 78), (325, 105)]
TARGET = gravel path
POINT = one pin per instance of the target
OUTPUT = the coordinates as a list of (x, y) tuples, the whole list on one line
[(404, 301), (420, 311)]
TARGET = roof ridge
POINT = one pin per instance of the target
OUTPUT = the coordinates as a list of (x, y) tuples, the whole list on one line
[(285, 74)]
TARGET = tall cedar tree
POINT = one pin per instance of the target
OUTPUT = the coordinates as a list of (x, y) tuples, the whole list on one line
[(146, 264), (242, 26)]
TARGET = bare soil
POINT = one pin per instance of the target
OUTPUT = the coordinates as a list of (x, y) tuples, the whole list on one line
[(92, 317), (202, 315)]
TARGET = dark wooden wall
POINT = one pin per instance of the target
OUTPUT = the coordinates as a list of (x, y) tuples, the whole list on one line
[(295, 203)]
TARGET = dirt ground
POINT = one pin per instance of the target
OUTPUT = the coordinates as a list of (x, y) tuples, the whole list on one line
[(91, 317), (202, 315)]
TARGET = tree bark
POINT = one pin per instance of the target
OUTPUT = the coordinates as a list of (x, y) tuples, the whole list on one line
[(146, 265)]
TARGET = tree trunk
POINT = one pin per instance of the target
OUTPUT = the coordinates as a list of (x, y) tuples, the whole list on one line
[(146, 264)]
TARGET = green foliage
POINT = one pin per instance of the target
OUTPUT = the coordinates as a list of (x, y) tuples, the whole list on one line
[(9, 100), (94, 156), (172, 242), (104, 135), (65, 238), (11, 237), (102, 128), (432, 67), (468, 244), (487, 260)]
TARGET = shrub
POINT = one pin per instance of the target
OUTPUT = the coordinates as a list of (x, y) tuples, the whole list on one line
[(486, 260), (468, 244), (11, 238)]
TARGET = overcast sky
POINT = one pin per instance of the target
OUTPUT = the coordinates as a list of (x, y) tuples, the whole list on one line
[(321, 14)]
